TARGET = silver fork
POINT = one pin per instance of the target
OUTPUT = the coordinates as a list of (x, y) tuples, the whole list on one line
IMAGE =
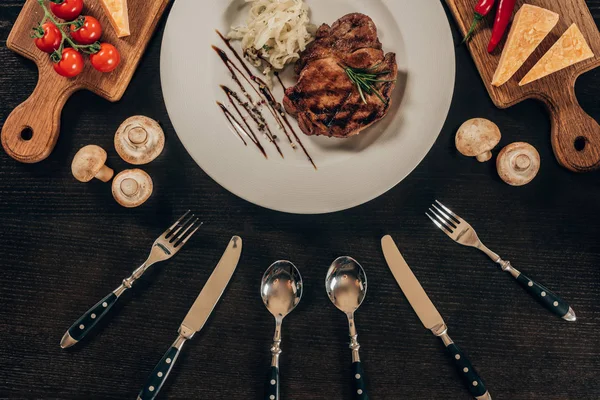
[(462, 232), (165, 247)]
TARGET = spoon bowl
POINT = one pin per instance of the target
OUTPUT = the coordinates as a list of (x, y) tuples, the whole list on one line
[(346, 284), (281, 288)]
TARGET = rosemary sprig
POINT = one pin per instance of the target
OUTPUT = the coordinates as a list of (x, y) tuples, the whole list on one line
[(366, 80)]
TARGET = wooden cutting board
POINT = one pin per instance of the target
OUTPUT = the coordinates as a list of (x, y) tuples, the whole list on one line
[(30, 132), (575, 135)]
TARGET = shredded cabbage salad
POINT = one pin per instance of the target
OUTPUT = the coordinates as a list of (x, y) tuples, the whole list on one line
[(276, 32)]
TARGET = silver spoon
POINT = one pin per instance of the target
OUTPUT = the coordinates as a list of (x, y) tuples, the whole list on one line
[(346, 286), (281, 291)]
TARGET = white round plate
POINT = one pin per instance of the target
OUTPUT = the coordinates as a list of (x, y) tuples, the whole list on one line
[(350, 171)]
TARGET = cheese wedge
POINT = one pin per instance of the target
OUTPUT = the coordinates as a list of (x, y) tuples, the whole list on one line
[(570, 49), (530, 26), (118, 15)]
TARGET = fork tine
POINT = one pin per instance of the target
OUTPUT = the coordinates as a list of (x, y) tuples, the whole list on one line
[(442, 221), (449, 211), (184, 241), (182, 232), (183, 225), (442, 227), (449, 220), (175, 224)]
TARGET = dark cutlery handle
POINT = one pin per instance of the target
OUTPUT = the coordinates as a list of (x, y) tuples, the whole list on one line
[(88, 321), (551, 301), (469, 375), (358, 377), (272, 386), (160, 373)]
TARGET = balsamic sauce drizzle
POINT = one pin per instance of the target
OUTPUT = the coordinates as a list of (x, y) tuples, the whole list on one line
[(234, 51), (278, 108), (231, 118), (237, 127), (254, 113), (232, 68), (266, 95), (280, 81), (252, 135)]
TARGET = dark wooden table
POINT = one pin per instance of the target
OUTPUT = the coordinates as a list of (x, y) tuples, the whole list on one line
[(65, 244)]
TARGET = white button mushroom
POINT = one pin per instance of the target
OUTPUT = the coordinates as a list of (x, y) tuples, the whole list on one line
[(139, 140), (518, 163), (132, 187), (88, 164), (477, 137)]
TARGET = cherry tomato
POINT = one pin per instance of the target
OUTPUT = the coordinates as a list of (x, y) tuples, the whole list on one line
[(68, 9), (71, 63), (89, 33), (107, 59), (51, 39)]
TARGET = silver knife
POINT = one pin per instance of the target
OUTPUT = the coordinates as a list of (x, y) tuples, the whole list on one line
[(196, 317), (430, 317)]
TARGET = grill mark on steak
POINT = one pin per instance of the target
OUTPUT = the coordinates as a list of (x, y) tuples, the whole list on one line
[(338, 109), (325, 101)]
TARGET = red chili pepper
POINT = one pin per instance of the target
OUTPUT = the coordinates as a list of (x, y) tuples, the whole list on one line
[(503, 16), (482, 9)]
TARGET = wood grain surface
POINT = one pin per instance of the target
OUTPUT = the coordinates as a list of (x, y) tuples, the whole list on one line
[(40, 113), (575, 135), (65, 244)]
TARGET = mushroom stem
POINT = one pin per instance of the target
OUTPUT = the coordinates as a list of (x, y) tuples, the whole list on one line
[(130, 187), (105, 174), (522, 162), (484, 157), (138, 135)]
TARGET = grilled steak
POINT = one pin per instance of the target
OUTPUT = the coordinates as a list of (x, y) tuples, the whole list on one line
[(325, 100)]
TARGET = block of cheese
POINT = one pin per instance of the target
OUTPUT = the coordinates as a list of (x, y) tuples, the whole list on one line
[(570, 49), (530, 26), (118, 15)]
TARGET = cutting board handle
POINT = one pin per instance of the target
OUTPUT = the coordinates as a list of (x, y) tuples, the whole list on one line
[(30, 132), (575, 135)]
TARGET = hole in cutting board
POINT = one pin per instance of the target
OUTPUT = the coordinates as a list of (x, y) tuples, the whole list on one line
[(27, 133), (580, 143)]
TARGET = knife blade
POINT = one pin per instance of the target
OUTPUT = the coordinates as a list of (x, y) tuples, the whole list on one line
[(430, 317), (196, 317), (213, 288), (410, 285)]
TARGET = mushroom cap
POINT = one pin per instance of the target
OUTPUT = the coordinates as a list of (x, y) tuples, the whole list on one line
[(477, 136), (132, 187), (87, 162), (518, 163), (139, 140)]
